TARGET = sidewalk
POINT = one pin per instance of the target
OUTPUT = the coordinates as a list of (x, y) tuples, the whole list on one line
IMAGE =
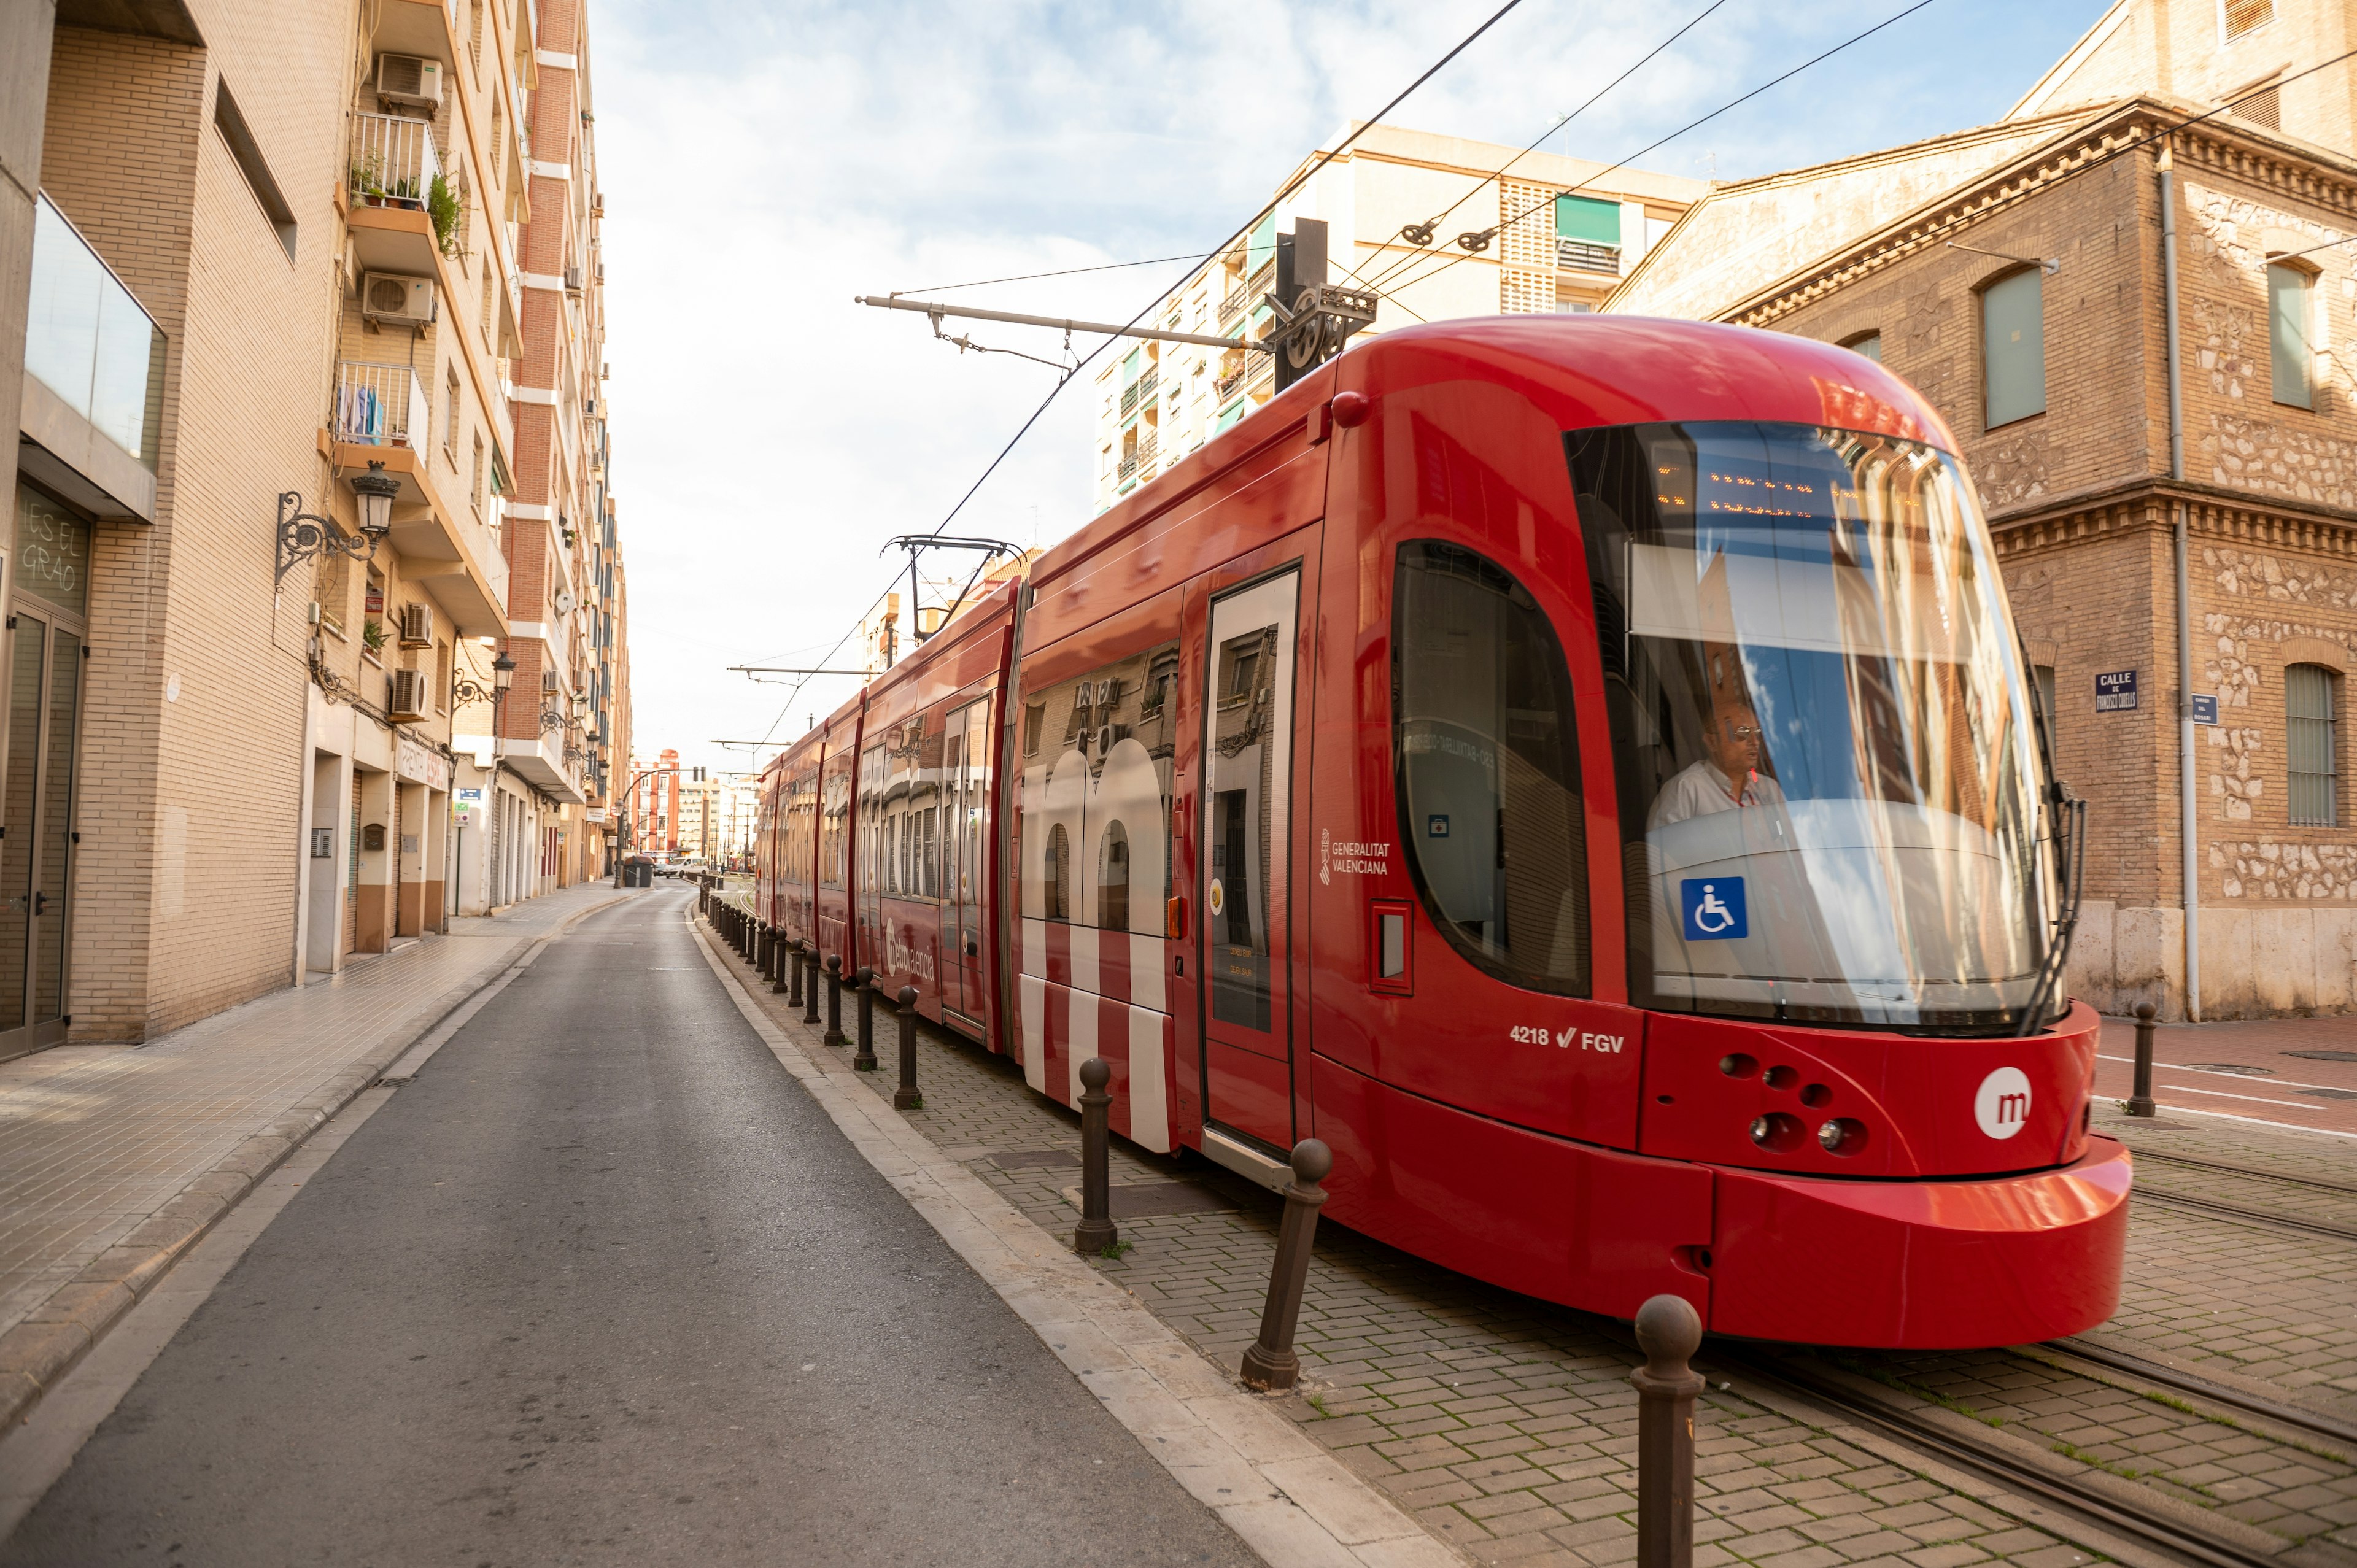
[(1506, 1427), (114, 1159)]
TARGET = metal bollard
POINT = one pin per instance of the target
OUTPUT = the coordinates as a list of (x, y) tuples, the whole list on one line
[(1669, 1331), (834, 1035), (782, 956), (906, 1097), (1097, 1230), (810, 978), (794, 993), (1271, 1363), (863, 1059), (2141, 1098)]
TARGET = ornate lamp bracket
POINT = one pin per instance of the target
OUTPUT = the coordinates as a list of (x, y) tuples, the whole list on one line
[(304, 537)]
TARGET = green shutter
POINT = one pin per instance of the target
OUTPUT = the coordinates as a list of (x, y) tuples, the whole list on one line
[(2289, 351), (1262, 246), (1585, 217), (2013, 348), (1129, 366)]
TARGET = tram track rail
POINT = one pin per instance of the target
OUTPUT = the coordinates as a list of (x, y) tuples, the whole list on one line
[(2192, 1386), (2122, 1508), (2252, 1171), (2218, 1210)]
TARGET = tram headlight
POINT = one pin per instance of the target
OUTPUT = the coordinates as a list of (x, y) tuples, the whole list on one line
[(1831, 1136)]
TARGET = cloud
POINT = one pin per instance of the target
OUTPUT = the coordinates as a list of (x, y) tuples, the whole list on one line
[(762, 163)]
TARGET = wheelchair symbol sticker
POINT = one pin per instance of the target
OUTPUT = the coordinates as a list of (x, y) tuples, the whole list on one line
[(1714, 909)]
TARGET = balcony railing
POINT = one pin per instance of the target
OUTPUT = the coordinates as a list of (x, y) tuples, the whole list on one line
[(380, 406), (1232, 308), (1128, 467), (1145, 384), (1588, 256), (1129, 400), (394, 161), (1225, 386), (1146, 445), (1262, 281), (90, 342)]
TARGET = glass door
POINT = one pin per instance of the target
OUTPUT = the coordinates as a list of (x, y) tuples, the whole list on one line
[(1247, 794), (44, 642)]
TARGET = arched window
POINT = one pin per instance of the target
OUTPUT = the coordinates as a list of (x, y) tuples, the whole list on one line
[(1057, 874), (1866, 343), (1112, 879), (2310, 742)]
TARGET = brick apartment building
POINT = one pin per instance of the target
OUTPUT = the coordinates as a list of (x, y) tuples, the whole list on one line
[(255, 261), (2014, 272)]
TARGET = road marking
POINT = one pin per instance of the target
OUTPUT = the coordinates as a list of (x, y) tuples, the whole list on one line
[(2166, 1067), (2256, 1121)]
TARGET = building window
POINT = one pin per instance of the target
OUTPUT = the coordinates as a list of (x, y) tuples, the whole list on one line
[(1489, 774), (475, 486), (2290, 312), (1866, 343), (2309, 741), (2236, 17), (450, 422), (2013, 347), (1112, 879), (1588, 233)]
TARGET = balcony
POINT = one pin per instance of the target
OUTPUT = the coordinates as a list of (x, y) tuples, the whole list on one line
[(1586, 256), (94, 375), (1129, 400), (393, 162), (1225, 386), (1146, 385), (1262, 281), (1129, 468), (1231, 309), (1146, 445), (379, 405)]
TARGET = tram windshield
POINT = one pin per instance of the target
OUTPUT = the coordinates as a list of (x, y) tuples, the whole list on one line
[(1821, 732)]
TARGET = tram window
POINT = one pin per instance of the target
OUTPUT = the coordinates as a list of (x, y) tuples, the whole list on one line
[(2291, 292), (2013, 347), (1057, 876), (1112, 879), (2308, 740), (1034, 714), (1488, 767)]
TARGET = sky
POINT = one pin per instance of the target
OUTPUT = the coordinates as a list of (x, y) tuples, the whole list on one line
[(764, 161)]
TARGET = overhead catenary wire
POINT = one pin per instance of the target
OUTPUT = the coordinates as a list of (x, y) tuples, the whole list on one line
[(1438, 218), (1589, 183), (1246, 227)]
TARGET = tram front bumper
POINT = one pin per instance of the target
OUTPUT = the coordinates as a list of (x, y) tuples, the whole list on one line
[(1920, 1265)]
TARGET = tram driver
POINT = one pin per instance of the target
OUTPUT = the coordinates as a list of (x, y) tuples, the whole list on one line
[(1726, 777)]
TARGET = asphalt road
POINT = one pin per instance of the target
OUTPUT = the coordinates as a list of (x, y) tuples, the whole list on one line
[(604, 1285)]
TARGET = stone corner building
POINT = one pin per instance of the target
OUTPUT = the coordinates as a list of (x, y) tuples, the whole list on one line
[(2015, 273), (250, 253)]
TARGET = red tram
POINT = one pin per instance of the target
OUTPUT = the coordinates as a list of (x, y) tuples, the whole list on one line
[(1582, 770)]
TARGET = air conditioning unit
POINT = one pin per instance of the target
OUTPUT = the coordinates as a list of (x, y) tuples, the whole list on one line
[(406, 704), (548, 681), (417, 626), (409, 79), (573, 280), (400, 300)]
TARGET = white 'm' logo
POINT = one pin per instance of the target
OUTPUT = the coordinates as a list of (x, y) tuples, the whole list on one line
[(2002, 1106)]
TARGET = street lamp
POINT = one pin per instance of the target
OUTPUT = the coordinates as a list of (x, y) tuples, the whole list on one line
[(305, 537)]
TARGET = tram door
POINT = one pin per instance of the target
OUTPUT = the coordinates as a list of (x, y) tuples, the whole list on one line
[(1246, 907), (965, 768)]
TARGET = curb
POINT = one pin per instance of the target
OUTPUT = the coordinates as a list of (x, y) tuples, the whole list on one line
[(41, 1348), (1285, 1496)]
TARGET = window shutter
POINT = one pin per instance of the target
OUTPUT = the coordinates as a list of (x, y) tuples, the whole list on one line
[(2013, 348), (1587, 218), (2291, 357)]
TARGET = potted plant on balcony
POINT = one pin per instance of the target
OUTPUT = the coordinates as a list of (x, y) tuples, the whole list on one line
[(372, 637), (368, 181), (442, 204)]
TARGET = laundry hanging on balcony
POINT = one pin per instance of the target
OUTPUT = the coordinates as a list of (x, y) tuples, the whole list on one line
[(360, 414)]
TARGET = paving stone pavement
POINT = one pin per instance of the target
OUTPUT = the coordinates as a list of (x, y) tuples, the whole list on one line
[(1506, 1426), (98, 1142)]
